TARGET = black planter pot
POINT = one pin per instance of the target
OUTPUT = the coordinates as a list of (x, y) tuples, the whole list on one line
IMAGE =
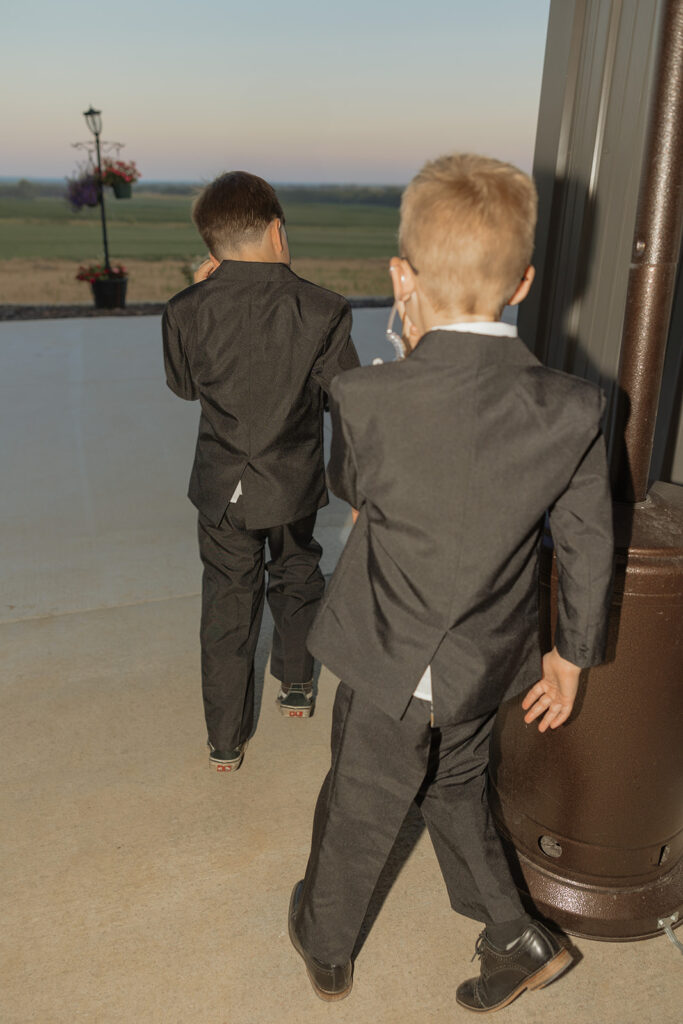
[(109, 292), (122, 189)]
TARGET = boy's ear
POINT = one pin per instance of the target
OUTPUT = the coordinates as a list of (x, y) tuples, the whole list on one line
[(278, 239), (522, 289), (216, 263), (402, 278), (274, 234)]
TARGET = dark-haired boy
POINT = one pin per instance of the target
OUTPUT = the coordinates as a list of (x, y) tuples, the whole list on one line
[(259, 347), (452, 457)]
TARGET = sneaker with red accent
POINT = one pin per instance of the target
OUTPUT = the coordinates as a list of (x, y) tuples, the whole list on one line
[(298, 701), (226, 760)]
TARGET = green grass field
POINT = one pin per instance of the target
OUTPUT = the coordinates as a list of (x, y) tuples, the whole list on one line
[(158, 227)]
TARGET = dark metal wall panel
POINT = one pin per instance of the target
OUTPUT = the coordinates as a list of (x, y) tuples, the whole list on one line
[(592, 128)]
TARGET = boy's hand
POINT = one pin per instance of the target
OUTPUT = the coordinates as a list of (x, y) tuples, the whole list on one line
[(553, 696), (204, 270)]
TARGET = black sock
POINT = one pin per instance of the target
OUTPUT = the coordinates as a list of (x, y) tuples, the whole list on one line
[(501, 935)]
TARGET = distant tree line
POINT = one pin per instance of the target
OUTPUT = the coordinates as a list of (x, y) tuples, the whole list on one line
[(25, 189), (372, 195)]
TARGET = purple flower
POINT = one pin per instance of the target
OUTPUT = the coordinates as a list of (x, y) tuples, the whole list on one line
[(82, 191)]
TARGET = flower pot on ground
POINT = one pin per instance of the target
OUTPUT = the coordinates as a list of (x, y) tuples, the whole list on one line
[(109, 292), (108, 284)]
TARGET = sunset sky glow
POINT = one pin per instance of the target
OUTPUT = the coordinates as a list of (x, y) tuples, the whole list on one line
[(298, 92)]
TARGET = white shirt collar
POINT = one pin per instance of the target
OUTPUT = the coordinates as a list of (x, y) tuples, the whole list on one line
[(495, 327)]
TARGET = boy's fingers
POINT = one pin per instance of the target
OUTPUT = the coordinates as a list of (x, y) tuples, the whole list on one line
[(547, 720), (561, 717), (203, 271), (539, 708), (555, 716), (538, 703), (534, 693), (536, 709)]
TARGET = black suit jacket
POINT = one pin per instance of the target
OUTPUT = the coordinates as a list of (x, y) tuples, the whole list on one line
[(258, 346), (453, 457)]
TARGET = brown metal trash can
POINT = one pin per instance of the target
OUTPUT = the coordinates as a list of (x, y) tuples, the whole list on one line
[(595, 809)]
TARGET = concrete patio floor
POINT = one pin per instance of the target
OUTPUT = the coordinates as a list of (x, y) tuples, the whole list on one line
[(138, 886)]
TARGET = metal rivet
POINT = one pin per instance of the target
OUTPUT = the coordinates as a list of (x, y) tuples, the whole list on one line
[(640, 247), (550, 846)]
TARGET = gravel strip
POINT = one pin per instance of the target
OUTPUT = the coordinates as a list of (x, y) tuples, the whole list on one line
[(8, 312)]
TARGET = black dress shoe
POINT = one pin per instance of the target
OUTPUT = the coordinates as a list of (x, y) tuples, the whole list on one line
[(329, 981), (533, 961)]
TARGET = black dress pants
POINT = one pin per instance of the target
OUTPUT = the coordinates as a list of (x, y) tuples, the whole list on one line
[(379, 766), (233, 588)]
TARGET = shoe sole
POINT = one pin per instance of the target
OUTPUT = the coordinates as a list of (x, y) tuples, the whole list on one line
[(226, 766), (542, 977), (295, 712), (327, 997)]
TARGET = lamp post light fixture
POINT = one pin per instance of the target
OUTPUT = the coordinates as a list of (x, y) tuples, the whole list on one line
[(93, 119)]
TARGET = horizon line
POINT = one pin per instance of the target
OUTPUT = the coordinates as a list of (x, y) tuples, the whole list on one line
[(15, 178)]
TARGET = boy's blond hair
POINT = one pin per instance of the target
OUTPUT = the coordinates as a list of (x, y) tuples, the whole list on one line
[(467, 228)]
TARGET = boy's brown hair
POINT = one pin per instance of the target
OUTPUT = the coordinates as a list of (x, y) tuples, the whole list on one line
[(234, 210), (467, 228)]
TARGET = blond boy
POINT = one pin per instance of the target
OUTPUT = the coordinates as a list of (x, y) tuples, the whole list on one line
[(452, 458)]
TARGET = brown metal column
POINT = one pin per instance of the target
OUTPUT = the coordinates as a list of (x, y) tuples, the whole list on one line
[(652, 278), (595, 811)]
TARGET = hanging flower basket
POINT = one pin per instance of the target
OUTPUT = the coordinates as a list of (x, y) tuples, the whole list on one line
[(108, 286), (120, 174), (82, 190), (122, 189)]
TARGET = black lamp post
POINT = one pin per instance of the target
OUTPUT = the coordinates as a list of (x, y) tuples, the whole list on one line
[(93, 119)]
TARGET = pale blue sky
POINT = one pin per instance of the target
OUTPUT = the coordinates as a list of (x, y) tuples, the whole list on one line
[(300, 91)]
